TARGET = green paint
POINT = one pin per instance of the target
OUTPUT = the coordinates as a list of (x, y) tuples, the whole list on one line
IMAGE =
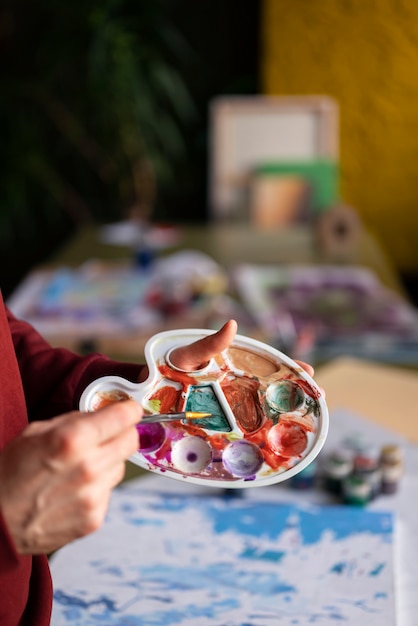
[(154, 406), (284, 396), (203, 398)]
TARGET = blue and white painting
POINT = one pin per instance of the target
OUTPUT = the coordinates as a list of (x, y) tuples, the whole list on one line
[(209, 560)]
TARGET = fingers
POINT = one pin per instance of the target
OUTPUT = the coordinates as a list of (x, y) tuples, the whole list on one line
[(73, 439), (56, 477), (195, 355), (109, 458), (308, 368), (86, 430), (109, 422)]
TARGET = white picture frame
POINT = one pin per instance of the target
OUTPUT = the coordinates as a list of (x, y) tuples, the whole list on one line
[(246, 131)]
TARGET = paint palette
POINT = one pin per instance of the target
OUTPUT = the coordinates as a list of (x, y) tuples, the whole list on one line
[(268, 419)]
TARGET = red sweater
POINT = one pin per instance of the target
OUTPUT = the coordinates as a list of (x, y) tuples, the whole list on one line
[(36, 382)]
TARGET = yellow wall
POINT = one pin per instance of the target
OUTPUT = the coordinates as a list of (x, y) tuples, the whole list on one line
[(364, 53)]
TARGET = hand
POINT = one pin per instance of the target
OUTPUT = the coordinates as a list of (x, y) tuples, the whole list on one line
[(307, 367), (195, 355), (56, 476)]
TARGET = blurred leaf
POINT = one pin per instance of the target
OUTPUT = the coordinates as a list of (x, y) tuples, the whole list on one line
[(93, 108)]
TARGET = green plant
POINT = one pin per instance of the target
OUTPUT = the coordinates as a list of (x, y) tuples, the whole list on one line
[(92, 110)]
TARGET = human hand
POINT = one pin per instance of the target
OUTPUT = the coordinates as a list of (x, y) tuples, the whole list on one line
[(56, 476), (194, 356)]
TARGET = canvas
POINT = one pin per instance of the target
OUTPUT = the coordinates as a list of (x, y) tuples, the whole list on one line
[(213, 560)]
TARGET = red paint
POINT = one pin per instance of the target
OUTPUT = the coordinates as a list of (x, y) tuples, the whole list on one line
[(163, 453), (273, 460), (179, 377), (287, 439), (192, 429), (307, 388), (168, 397), (218, 441), (305, 420)]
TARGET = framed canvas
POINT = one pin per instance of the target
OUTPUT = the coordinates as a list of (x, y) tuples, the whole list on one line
[(247, 132)]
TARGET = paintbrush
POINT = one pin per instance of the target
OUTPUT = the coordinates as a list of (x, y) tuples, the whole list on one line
[(171, 417)]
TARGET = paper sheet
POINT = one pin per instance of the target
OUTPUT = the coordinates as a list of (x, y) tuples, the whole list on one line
[(199, 557), (167, 559)]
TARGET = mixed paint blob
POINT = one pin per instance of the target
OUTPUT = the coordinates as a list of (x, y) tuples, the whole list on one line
[(265, 416)]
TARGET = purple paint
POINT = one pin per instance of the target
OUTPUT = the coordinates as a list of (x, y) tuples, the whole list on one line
[(151, 437)]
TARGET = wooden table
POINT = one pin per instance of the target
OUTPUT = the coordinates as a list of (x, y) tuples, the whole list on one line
[(229, 244)]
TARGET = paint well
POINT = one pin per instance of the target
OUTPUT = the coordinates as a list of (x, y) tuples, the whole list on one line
[(203, 398)]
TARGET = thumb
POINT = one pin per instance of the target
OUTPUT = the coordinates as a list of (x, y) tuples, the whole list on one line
[(195, 355)]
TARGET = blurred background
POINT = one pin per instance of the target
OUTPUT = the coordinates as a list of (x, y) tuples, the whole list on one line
[(176, 163), (105, 111)]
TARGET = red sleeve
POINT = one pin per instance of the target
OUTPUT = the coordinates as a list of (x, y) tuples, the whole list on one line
[(25, 583), (14, 577), (54, 378)]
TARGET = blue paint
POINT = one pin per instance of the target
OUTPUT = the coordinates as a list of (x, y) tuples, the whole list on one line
[(140, 521), (266, 555), (203, 398), (219, 576), (285, 588), (312, 522), (256, 573), (127, 508), (377, 570), (113, 571), (339, 568), (67, 599), (243, 518)]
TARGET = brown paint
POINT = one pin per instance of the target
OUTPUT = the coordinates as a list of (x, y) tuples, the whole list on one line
[(241, 395), (246, 361)]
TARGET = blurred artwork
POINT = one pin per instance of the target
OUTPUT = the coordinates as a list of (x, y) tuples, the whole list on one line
[(279, 202), (341, 310)]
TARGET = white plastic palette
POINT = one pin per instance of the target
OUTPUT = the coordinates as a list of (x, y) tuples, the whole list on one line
[(268, 420)]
